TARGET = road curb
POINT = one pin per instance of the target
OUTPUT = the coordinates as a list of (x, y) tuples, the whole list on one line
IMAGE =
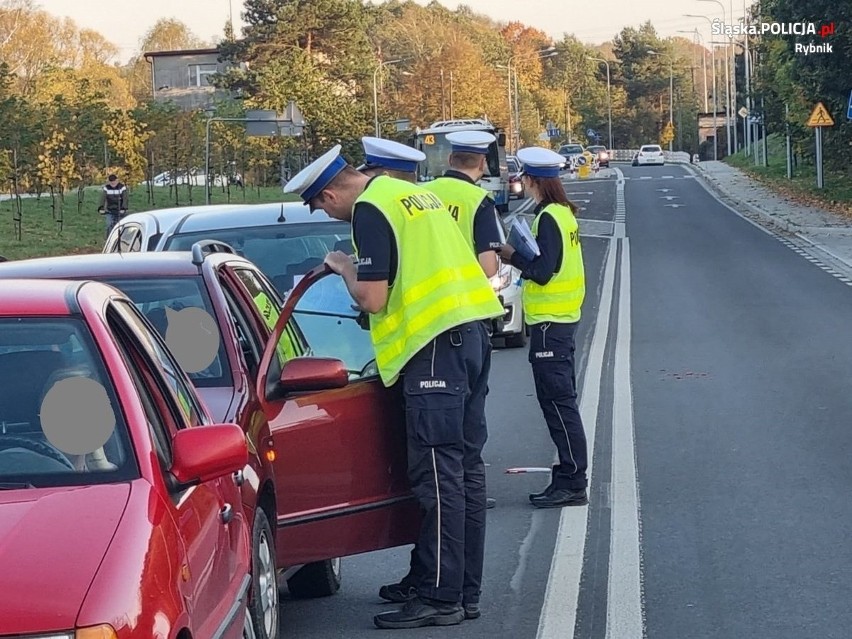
[(714, 184)]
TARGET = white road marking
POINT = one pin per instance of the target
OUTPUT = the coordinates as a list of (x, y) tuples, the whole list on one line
[(559, 609), (624, 597), (675, 206), (669, 197)]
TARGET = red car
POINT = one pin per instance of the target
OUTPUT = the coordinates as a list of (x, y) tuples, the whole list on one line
[(127, 525), (327, 473)]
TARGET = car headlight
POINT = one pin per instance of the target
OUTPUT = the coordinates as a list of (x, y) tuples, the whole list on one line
[(500, 281), (604, 156)]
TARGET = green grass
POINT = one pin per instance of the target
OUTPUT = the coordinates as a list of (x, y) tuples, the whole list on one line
[(78, 228), (835, 196)]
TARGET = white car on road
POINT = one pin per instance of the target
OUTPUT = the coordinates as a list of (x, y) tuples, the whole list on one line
[(650, 154), (507, 284)]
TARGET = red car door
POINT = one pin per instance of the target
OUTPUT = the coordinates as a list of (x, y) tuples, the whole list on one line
[(209, 516), (338, 437)]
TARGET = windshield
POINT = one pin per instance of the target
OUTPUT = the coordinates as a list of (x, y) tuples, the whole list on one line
[(161, 299), (512, 166), (281, 252), (596, 149), (437, 149), (570, 148), (48, 437)]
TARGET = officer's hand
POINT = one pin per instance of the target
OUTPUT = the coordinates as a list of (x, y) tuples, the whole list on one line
[(339, 262), (505, 252)]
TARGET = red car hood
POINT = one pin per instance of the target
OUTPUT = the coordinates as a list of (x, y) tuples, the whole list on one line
[(52, 541)]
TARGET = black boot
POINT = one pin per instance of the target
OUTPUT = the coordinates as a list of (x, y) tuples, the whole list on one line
[(420, 612), (550, 487), (562, 497)]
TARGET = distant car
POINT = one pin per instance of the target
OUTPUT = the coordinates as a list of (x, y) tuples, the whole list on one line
[(601, 153), (516, 187), (285, 240), (569, 151), (650, 154), (142, 532)]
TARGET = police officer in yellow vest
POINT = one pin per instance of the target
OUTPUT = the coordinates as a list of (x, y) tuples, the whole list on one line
[(427, 297), (387, 157), (554, 287), (470, 205)]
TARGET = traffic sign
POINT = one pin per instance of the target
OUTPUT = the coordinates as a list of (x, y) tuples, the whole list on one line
[(668, 133), (743, 112), (590, 133), (849, 108), (820, 117)]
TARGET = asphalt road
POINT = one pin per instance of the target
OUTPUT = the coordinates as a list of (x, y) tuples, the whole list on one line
[(714, 387)]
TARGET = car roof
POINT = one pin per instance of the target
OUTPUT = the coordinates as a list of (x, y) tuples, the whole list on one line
[(102, 265), (253, 215), (26, 297)]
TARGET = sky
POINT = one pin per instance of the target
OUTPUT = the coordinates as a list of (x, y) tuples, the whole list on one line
[(592, 21)]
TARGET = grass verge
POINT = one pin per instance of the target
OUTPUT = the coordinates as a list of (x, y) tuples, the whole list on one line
[(74, 226), (836, 195)]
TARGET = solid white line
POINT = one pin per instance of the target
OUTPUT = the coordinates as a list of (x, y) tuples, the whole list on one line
[(624, 596), (559, 609)]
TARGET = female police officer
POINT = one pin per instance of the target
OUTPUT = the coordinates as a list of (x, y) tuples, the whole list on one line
[(553, 292)]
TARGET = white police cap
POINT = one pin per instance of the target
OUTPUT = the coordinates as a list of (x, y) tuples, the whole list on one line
[(392, 155), (540, 162), (470, 141), (308, 182)]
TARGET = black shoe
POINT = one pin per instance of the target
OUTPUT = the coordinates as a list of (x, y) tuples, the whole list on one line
[(420, 612), (544, 493), (490, 502), (471, 611), (398, 593), (562, 497)]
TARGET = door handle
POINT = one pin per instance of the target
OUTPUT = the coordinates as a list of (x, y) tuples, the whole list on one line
[(239, 477), (226, 514)]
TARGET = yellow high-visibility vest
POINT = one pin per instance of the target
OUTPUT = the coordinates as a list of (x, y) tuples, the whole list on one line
[(462, 200), (439, 283), (561, 299)]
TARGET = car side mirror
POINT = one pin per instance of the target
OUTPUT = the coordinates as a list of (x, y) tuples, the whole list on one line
[(208, 452), (310, 374)]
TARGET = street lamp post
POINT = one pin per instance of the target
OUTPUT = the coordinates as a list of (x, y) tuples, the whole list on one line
[(608, 98), (700, 39), (731, 96), (509, 98), (376, 92), (671, 91), (549, 52), (715, 102)]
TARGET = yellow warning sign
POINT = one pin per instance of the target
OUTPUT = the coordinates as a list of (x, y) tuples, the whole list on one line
[(820, 116)]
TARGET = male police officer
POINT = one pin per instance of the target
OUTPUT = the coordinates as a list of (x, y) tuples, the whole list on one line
[(427, 297), (113, 202)]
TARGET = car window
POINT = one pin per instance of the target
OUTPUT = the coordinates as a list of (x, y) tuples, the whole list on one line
[(184, 397), (333, 328), (512, 166), (250, 345), (651, 148), (48, 437), (595, 149), (571, 148), (161, 299), (130, 239), (283, 252)]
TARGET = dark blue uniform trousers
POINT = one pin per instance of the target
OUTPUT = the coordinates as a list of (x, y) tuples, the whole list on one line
[(552, 359), (444, 386)]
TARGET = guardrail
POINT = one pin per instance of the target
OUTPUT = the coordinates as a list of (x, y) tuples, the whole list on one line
[(626, 155)]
